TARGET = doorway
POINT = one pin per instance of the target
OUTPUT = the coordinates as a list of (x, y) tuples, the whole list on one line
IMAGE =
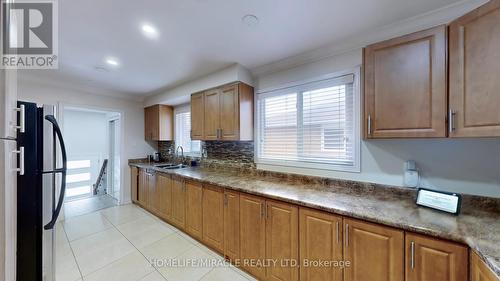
[(93, 142), (114, 158)]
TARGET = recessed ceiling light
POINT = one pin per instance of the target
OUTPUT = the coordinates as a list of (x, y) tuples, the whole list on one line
[(112, 61), (250, 20), (149, 31)]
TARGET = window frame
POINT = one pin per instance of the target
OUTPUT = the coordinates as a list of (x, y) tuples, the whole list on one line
[(179, 110), (300, 86)]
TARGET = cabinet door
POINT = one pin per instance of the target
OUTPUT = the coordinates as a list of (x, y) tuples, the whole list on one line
[(429, 259), (231, 225), (474, 68), (376, 253), (480, 271), (164, 187), (229, 113), (194, 210), (405, 86), (151, 123), (178, 203), (253, 234), (197, 116), (153, 198), (282, 241), (212, 115), (134, 183), (143, 188), (320, 239), (213, 217)]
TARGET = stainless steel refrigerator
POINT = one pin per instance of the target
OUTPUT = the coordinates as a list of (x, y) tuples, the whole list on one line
[(41, 184), (32, 146)]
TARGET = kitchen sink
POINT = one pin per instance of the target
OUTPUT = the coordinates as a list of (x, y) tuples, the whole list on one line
[(165, 165), (172, 166)]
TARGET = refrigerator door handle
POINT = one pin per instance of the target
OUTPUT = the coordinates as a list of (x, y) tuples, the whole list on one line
[(62, 171)]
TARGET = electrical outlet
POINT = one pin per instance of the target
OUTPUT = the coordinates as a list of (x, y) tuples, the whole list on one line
[(411, 175)]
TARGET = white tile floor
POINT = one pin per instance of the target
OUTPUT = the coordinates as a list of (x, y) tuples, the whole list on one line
[(118, 243)]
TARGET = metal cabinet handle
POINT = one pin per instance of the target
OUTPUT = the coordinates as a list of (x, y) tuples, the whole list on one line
[(412, 258), (347, 235), (369, 125), (22, 118), (267, 211), (21, 160), (225, 199), (262, 210), (451, 120)]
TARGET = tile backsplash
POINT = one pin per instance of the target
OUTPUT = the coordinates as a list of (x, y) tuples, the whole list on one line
[(231, 153)]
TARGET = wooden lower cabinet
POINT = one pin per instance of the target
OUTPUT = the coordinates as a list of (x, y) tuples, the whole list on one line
[(282, 241), (134, 183), (320, 239), (253, 235), (429, 259), (231, 225), (252, 231), (213, 217), (194, 210), (153, 198), (164, 193), (178, 203), (375, 252), (479, 270), (143, 188)]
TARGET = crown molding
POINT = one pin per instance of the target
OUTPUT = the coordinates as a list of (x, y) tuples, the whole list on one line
[(426, 20)]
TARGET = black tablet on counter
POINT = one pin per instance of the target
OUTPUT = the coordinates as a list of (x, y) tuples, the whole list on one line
[(439, 200)]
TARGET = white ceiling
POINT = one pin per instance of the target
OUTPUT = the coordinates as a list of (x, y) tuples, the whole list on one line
[(198, 37)]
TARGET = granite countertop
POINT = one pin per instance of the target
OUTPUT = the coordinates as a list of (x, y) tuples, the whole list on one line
[(477, 226)]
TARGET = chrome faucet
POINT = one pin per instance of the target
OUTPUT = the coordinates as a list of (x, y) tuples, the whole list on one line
[(177, 153)]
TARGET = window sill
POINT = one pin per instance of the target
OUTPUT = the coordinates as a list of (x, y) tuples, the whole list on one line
[(305, 166)]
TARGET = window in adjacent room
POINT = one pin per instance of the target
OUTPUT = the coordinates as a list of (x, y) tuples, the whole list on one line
[(311, 125), (183, 131)]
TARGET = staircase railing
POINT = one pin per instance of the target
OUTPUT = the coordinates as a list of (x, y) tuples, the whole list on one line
[(100, 185)]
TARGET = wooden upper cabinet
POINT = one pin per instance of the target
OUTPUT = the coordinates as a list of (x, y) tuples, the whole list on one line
[(405, 93), (213, 217), (474, 68), (253, 234), (229, 113), (429, 259), (164, 189), (376, 252), (231, 225), (320, 239), (480, 271), (224, 113), (194, 210), (282, 241), (178, 203), (211, 115), (197, 116), (158, 123)]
